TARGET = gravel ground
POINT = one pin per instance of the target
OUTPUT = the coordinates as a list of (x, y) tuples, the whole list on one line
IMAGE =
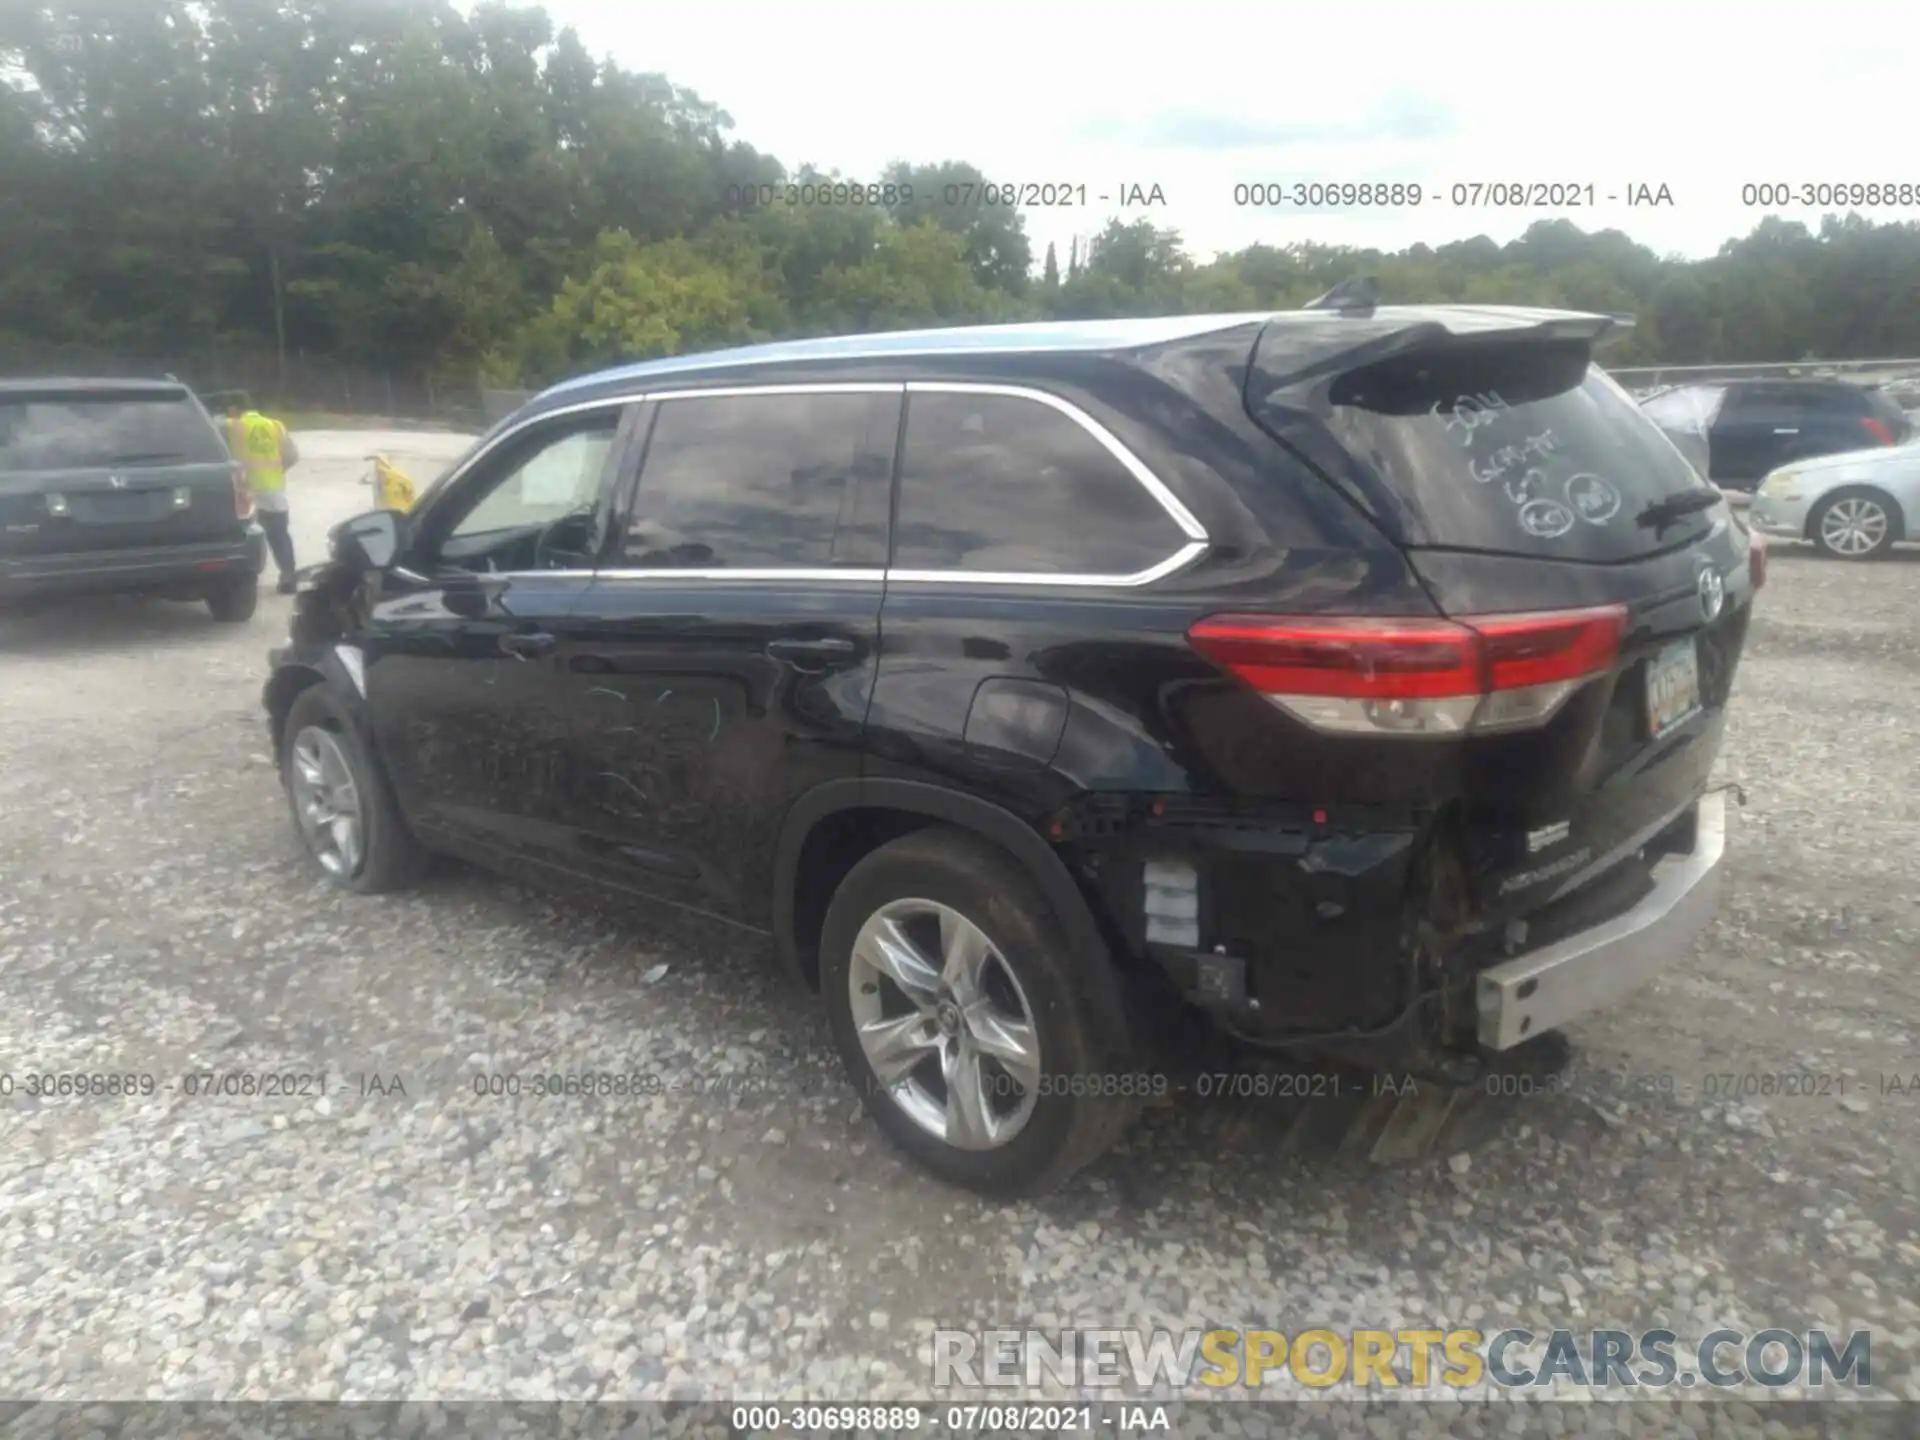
[(404, 1237)]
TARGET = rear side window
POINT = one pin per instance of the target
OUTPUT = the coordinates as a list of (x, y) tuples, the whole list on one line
[(1689, 409), (1522, 449), (1005, 484), (760, 481), (1797, 402), (80, 432)]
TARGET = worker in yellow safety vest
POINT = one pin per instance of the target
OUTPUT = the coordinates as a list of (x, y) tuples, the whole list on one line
[(266, 451)]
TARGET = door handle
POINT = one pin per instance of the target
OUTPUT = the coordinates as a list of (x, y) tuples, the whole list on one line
[(1781, 430), (525, 647), (812, 654)]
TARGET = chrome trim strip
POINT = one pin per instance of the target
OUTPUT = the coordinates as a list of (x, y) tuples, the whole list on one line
[(1197, 539), (824, 387), (1135, 467), (1179, 560), (798, 573), (605, 402)]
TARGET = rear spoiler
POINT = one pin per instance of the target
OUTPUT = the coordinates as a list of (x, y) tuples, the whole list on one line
[(1288, 355)]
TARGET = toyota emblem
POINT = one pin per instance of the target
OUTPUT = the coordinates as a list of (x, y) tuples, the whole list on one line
[(1713, 594)]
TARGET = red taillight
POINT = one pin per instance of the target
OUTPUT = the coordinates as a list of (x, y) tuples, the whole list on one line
[(1878, 429), (1756, 558), (1415, 676), (242, 493)]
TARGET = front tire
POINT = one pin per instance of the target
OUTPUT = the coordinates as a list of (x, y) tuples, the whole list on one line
[(1857, 523), (980, 1042), (235, 600), (342, 805)]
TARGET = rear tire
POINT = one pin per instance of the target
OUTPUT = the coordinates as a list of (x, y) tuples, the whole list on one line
[(341, 803), (235, 600), (1005, 1050), (1856, 523)]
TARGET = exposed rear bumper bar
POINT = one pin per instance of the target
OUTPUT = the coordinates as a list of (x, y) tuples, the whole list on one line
[(1545, 988)]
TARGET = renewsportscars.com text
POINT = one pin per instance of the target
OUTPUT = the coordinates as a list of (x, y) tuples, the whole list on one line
[(1321, 1357)]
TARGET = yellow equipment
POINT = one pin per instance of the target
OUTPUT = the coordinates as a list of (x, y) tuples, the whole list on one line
[(392, 487)]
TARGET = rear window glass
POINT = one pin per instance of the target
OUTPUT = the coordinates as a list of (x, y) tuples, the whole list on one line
[(1523, 449), (1690, 410), (85, 432)]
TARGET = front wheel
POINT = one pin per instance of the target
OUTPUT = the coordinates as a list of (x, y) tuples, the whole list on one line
[(340, 800), (1857, 524), (979, 1041)]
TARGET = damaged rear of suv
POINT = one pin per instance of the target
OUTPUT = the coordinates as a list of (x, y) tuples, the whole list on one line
[(1343, 682), (1502, 788)]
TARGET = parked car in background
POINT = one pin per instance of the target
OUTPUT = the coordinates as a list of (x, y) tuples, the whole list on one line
[(122, 486), (1344, 682), (1752, 427), (1854, 507)]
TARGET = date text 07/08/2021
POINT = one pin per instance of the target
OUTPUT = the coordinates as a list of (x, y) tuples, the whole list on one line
[(1848, 1087)]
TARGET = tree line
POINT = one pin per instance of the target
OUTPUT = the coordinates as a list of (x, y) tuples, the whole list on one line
[(397, 185)]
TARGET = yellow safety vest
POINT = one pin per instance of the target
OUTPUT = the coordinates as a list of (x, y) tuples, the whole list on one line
[(255, 441)]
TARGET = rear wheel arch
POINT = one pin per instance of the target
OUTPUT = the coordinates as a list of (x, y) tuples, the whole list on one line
[(832, 827)]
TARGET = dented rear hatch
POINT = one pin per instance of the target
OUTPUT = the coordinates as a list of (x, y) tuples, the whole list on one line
[(1522, 482)]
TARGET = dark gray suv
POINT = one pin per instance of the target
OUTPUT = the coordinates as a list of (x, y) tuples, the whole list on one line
[(122, 486), (1748, 428)]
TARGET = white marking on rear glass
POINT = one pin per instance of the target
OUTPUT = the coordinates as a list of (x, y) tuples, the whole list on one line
[(1545, 508), (1548, 519), (1592, 499)]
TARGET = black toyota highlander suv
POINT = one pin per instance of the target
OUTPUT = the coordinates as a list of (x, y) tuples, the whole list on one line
[(122, 486), (1344, 681)]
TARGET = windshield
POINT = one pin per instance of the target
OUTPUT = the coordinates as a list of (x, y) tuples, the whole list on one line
[(74, 432), (1525, 449)]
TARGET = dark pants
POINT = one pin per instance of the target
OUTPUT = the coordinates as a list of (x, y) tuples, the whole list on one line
[(279, 541)]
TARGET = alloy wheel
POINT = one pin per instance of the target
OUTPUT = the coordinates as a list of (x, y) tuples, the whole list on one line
[(327, 801), (1854, 525), (945, 1024)]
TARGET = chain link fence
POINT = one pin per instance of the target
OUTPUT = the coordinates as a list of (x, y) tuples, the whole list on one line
[(304, 385)]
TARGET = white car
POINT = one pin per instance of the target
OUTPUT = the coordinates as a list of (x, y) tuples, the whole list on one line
[(1854, 506)]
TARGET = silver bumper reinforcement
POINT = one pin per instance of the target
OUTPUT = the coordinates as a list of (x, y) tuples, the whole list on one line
[(1519, 998)]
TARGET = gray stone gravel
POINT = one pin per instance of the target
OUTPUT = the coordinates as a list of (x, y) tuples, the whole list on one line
[(406, 1237)]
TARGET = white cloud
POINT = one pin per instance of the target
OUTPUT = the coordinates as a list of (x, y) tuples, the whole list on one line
[(1198, 97)]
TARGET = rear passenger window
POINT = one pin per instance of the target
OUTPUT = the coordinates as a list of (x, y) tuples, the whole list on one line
[(998, 483), (763, 482)]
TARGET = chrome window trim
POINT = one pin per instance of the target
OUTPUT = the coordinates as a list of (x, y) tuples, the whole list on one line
[(1110, 442), (605, 402), (823, 387), (1175, 562), (1197, 544), (860, 576)]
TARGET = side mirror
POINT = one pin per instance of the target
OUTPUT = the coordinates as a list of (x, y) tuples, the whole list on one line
[(368, 542)]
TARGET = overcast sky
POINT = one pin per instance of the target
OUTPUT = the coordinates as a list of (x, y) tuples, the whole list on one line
[(1197, 97)]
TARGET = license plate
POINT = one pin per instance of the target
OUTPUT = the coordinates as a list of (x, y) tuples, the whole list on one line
[(121, 508), (1673, 686)]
